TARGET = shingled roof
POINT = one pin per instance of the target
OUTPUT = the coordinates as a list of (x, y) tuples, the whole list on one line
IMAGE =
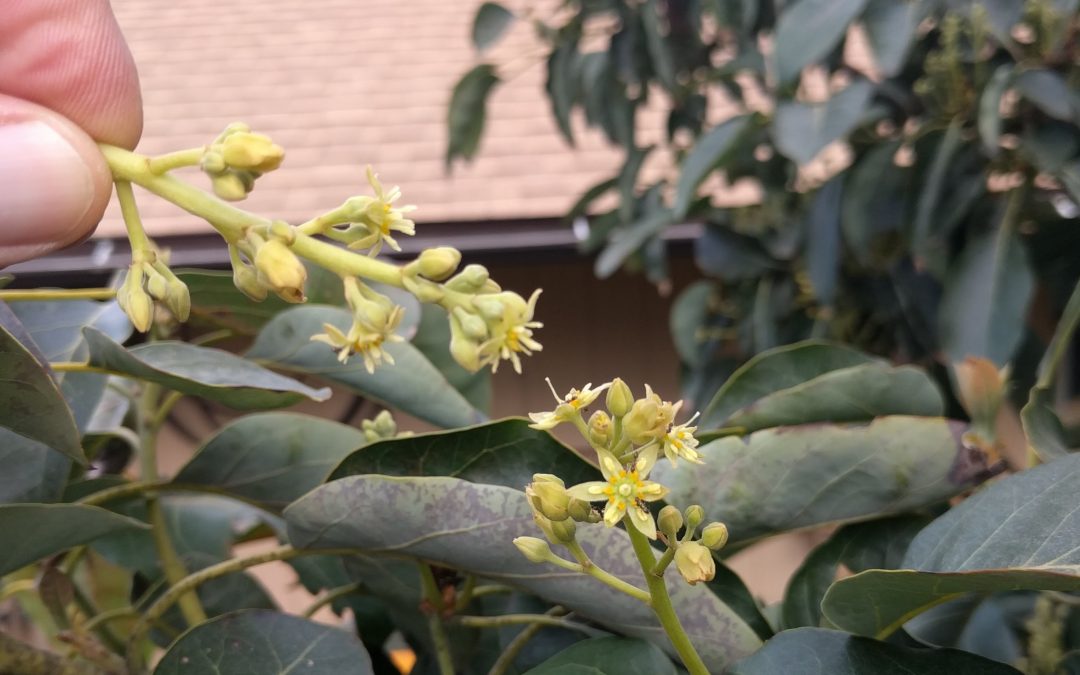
[(344, 83)]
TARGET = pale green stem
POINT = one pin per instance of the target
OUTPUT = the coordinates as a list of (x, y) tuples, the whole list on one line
[(58, 294), (504, 620), (175, 160), (346, 262), (466, 595), (587, 566), (661, 602), (140, 243), (75, 367), (435, 622), (664, 561)]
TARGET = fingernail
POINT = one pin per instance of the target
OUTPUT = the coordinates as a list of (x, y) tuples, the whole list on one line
[(45, 187)]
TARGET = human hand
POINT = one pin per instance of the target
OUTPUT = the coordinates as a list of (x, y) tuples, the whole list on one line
[(67, 80)]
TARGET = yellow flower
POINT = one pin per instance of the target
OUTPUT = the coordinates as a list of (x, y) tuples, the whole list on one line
[(381, 217), (568, 406), (511, 332), (364, 339), (650, 417), (694, 562), (626, 490), (679, 441)]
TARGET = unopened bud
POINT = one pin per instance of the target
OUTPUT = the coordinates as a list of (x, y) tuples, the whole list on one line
[(469, 280), (465, 351), (489, 307), (385, 425), (439, 263), (670, 521), (600, 428), (694, 515), (137, 304), (640, 423), (550, 499), (694, 562), (581, 511), (548, 478), (424, 290), (714, 536), (156, 284), (563, 530), (281, 270), (279, 229), (619, 398), (178, 299), (534, 548), (471, 324), (229, 186), (247, 282), (255, 152)]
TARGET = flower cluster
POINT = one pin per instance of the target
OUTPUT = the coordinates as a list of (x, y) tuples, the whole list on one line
[(368, 222), (148, 279), (236, 158)]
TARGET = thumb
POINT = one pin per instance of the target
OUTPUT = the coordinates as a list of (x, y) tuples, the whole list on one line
[(54, 183)]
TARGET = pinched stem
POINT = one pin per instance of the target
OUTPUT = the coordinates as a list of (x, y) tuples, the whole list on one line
[(661, 602)]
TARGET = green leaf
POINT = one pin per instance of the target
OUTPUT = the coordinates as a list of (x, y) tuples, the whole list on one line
[(563, 83), (56, 325), (817, 651), (629, 239), (212, 374), (777, 369), (890, 28), (688, 315), (808, 30), (432, 339), (1049, 92), (986, 298), (267, 643), (31, 405), (216, 301), (990, 108), (655, 42), (271, 458), (471, 527), (858, 547), (823, 241), (875, 199), (490, 24), (709, 152), (35, 531), (412, 384), (925, 236), (854, 394), (506, 452), (1019, 533), (607, 656), (731, 256), (802, 130), (1043, 428), (794, 477), (468, 107)]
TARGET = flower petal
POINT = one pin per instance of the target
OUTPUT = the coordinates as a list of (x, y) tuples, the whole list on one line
[(612, 514), (592, 491), (643, 521), (609, 466)]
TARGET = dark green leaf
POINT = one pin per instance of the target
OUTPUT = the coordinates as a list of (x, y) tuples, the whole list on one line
[(56, 326), (629, 239), (607, 656), (1017, 534), (860, 546), (817, 651), (986, 299), (200, 371), (823, 241), (656, 43), (34, 531), (216, 301), (890, 28), (731, 256), (729, 587), (855, 394), (688, 315), (990, 107), (468, 107), (471, 527), (31, 405), (491, 22), (263, 642), (271, 458), (708, 153), (875, 197), (793, 477), (413, 384), (974, 623), (506, 453), (1049, 92), (925, 236), (808, 30), (802, 130), (563, 83), (774, 370), (1042, 426), (581, 206)]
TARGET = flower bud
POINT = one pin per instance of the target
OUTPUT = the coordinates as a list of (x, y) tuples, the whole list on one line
[(465, 351), (670, 521), (471, 324), (550, 499), (439, 263), (581, 511), (281, 270), (424, 290), (489, 307), (548, 478), (641, 422), (694, 515), (156, 284), (714, 536), (136, 303), (255, 152), (230, 186), (212, 162), (600, 428), (469, 280), (385, 425), (619, 398), (694, 562), (563, 531), (533, 548), (247, 282), (178, 299)]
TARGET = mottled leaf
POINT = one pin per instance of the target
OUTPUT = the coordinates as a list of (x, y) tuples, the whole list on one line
[(774, 370), (817, 651), (788, 478), (35, 531), (412, 384), (271, 458), (506, 452), (1020, 533), (200, 371), (607, 656), (260, 642), (470, 527), (808, 30)]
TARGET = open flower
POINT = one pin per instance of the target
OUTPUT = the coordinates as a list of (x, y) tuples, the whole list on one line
[(380, 217), (511, 331), (626, 490), (679, 441), (568, 406), (364, 339)]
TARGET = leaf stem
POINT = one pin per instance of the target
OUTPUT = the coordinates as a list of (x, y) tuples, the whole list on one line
[(661, 602), (435, 621), (19, 295), (331, 596)]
